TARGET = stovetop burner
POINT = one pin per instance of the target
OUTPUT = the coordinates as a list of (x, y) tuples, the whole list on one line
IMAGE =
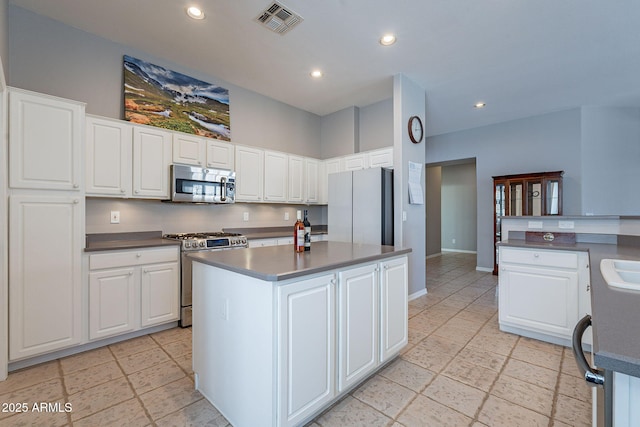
[(205, 235)]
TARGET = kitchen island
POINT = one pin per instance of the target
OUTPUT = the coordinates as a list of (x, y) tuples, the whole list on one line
[(279, 336)]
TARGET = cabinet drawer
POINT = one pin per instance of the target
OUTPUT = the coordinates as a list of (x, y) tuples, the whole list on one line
[(132, 257), (543, 257)]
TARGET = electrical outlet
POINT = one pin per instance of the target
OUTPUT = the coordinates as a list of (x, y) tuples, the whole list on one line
[(286, 216), (245, 216), (115, 217)]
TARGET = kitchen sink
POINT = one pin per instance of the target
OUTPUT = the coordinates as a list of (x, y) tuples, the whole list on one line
[(622, 274)]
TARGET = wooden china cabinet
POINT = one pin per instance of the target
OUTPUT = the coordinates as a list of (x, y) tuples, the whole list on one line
[(527, 194)]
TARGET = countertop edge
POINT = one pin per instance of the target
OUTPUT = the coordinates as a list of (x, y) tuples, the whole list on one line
[(130, 244)]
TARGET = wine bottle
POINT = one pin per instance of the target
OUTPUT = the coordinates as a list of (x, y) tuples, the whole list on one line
[(307, 232), (298, 233)]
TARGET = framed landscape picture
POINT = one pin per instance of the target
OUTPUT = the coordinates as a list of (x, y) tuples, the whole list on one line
[(159, 97)]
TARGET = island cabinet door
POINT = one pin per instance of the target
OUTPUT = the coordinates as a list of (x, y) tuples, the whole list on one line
[(357, 324), (306, 359), (393, 307)]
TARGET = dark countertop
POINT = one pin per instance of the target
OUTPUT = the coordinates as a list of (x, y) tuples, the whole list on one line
[(121, 241), (615, 313), (278, 263)]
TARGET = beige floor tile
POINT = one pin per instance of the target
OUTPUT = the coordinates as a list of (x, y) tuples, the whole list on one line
[(350, 412), (573, 411), (100, 397), (479, 318), (478, 424), (133, 346), (89, 377), (556, 423), (185, 362), (574, 387), (178, 348), (171, 335), (524, 393), (497, 412), (200, 413), (459, 335), (540, 345), (501, 344), (537, 375), (169, 398), (127, 413), (480, 357), (454, 394), (412, 376), (86, 359), (384, 395), (424, 412), (139, 361), (47, 391), (155, 376), (30, 376), (537, 357), (569, 364), (432, 353), (470, 374)]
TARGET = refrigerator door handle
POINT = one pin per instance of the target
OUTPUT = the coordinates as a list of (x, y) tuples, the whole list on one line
[(591, 375)]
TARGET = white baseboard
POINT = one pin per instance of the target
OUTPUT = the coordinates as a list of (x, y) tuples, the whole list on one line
[(458, 250), (417, 294), (487, 269), (434, 255)]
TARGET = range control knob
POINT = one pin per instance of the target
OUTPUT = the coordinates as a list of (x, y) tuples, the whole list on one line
[(201, 244), (187, 244)]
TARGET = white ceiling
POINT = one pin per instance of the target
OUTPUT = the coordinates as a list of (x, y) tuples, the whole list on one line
[(521, 57)]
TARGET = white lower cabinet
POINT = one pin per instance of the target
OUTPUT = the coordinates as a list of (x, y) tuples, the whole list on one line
[(46, 232), (358, 316), (306, 335), (133, 289), (394, 305), (542, 293)]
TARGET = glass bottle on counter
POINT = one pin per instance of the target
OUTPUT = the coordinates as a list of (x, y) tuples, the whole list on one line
[(298, 233), (307, 232)]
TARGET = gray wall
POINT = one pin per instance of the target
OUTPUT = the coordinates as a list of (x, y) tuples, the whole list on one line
[(376, 125), (4, 36), (339, 133), (541, 143), (433, 196), (610, 161), (459, 201), (49, 57)]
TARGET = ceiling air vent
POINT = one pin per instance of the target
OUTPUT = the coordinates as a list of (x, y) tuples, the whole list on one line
[(278, 18)]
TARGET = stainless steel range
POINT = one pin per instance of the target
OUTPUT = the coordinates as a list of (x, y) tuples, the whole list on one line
[(198, 242)]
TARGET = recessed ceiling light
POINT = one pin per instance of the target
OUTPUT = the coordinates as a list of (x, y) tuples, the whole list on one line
[(387, 39), (479, 105), (316, 74), (195, 12)]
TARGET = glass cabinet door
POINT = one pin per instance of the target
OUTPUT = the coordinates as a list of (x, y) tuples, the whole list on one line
[(534, 198), (552, 197), (515, 198)]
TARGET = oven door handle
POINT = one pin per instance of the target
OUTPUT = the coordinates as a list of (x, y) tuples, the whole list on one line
[(223, 191), (591, 375)]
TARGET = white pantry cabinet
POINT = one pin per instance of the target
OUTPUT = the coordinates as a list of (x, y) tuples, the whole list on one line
[(249, 174), (358, 317), (132, 289), (306, 341), (152, 157), (276, 173), (46, 237), (220, 155), (108, 157), (542, 292), (45, 141), (296, 175), (380, 158), (354, 162)]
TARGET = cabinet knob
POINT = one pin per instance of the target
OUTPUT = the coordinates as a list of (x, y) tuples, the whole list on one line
[(137, 191), (76, 201), (536, 255), (385, 267), (145, 271), (131, 273), (76, 185), (122, 190), (138, 255)]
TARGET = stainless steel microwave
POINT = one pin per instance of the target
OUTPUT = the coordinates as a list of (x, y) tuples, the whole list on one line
[(192, 184)]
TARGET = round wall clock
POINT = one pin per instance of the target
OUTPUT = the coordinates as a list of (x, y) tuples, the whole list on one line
[(416, 130)]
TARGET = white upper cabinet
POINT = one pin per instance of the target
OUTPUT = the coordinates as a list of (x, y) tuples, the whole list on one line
[(220, 155), (276, 166), (249, 174), (311, 180), (189, 149), (355, 162), (108, 157), (380, 158), (296, 179), (151, 161), (45, 141)]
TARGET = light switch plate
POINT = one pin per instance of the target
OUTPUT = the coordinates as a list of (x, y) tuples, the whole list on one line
[(566, 224), (535, 224), (245, 216), (115, 217)]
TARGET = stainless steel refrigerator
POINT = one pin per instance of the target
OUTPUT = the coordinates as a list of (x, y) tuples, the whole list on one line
[(360, 208)]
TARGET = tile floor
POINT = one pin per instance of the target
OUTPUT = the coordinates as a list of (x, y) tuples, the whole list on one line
[(458, 370)]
